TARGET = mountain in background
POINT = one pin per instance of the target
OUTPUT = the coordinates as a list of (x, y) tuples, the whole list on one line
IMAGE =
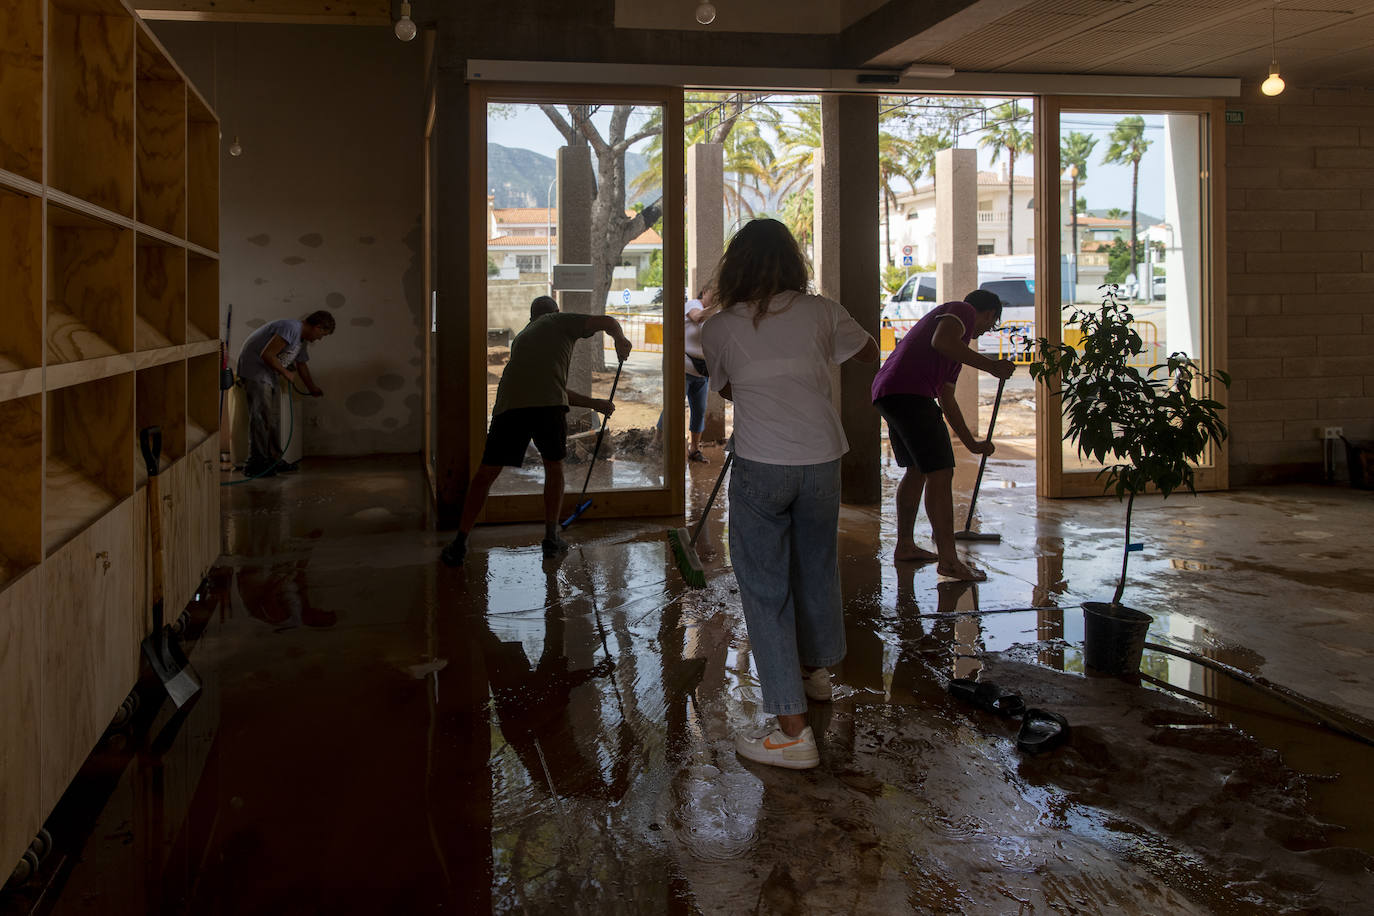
[(521, 177)]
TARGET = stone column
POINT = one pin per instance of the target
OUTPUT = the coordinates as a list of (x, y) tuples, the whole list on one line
[(1183, 256), (956, 233), (705, 244), (847, 271), (574, 189)]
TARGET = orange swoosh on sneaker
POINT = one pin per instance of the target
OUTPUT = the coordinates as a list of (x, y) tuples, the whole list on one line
[(769, 745)]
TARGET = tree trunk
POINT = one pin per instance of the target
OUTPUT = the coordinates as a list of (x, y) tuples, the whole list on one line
[(1125, 552), (887, 224)]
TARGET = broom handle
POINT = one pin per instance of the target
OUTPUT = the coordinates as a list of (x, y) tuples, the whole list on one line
[(729, 456), (596, 450), (983, 462)]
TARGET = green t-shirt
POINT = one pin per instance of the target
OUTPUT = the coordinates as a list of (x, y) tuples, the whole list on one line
[(537, 373)]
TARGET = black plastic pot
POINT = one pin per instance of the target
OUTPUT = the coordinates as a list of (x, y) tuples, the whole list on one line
[(1113, 637)]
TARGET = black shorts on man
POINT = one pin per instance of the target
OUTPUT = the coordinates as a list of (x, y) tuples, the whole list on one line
[(511, 432), (917, 432)]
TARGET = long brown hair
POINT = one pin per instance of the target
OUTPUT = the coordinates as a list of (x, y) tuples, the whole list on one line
[(762, 260)]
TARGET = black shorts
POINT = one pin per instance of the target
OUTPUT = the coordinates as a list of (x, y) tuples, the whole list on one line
[(917, 432), (512, 430)]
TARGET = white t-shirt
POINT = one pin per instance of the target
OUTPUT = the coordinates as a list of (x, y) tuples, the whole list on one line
[(779, 376), (691, 336)]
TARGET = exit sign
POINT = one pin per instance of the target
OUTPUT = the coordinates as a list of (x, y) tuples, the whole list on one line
[(1235, 117)]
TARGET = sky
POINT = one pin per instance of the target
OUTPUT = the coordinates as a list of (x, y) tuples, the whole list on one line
[(1107, 185)]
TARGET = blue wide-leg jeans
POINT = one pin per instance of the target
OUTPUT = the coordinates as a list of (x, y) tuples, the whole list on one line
[(784, 545)]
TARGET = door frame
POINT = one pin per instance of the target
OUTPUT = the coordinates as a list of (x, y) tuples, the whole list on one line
[(1051, 478), (670, 499)]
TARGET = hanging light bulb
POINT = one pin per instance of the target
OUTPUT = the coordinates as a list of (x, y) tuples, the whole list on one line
[(405, 26), (236, 148), (1274, 84), (706, 12)]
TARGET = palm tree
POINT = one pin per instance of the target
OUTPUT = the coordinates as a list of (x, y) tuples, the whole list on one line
[(1074, 151), (799, 137), (1129, 145), (896, 155), (1005, 133)]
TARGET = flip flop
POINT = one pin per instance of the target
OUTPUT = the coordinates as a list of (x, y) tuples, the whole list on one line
[(1042, 731), (988, 696)]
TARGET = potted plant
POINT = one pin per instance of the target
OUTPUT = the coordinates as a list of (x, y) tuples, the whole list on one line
[(1146, 424)]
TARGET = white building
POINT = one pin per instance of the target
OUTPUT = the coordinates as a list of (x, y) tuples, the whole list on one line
[(522, 240), (913, 218)]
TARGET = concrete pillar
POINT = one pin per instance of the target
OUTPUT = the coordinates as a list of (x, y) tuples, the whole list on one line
[(1183, 256), (956, 233), (847, 254), (575, 186), (705, 244)]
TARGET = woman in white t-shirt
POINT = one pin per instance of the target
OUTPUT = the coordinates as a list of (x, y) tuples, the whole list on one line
[(770, 349)]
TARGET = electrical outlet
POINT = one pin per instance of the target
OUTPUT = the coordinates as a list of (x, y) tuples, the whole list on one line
[(1332, 432)]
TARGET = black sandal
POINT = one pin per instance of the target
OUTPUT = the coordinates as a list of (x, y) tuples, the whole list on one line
[(988, 696), (1042, 731)]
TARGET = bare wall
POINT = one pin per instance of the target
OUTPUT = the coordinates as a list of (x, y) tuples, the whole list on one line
[(323, 209)]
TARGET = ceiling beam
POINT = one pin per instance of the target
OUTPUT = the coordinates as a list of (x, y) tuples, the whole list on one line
[(307, 12)]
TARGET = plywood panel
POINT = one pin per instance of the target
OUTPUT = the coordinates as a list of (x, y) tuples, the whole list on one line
[(90, 291), (21, 277), (160, 297), (21, 486), (202, 398), (21, 91), (162, 155), (90, 660), (202, 183), (91, 107), (161, 401), (204, 510), (89, 458), (21, 813), (202, 298)]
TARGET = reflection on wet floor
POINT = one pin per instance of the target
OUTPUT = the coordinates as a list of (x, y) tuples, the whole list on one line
[(381, 734)]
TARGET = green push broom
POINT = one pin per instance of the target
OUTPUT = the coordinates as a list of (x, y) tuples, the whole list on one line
[(685, 549)]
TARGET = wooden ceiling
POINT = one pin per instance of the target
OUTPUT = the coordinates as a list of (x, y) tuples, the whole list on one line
[(1317, 42)]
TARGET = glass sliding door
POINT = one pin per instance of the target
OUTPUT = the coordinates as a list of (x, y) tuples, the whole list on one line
[(1143, 222), (583, 202)]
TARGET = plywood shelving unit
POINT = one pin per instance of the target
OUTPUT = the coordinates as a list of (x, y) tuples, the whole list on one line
[(109, 305)]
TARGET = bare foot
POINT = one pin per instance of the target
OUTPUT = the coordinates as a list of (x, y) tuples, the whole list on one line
[(957, 569), (914, 554)]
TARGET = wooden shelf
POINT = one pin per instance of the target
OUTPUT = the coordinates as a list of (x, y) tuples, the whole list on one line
[(202, 298), (21, 91), (161, 109), (91, 103), (202, 398), (21, 281), (90, 295), (21, 485), (89, 465), (160, 400), (202, 174), (160, 296)]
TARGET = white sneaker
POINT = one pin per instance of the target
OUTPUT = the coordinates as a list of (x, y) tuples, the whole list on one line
[(772, 746), (817, 684)]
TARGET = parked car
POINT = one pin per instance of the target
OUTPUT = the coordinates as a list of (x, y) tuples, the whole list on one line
[(1158, 283), (916, 297), (911, 301)]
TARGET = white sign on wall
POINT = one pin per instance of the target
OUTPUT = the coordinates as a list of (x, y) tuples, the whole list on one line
[(575, 278)]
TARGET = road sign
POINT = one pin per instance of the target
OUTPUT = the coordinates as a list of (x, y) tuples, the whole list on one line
[(906, 261), (906, 249), (625, 296)]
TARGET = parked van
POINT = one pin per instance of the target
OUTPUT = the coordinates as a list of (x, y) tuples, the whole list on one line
[(916, 297)]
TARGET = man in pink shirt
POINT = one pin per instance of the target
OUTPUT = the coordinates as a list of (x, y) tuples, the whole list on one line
[(914, 391)]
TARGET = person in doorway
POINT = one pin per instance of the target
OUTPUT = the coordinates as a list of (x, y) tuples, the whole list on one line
[(770, 350), (532, 402), (698, 310), (914, 392), (277, 350)]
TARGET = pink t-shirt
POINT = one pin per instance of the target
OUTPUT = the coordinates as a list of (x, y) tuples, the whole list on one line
[(916, 367)]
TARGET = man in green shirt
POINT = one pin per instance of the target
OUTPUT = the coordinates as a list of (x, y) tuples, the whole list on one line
[(532, 402)]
